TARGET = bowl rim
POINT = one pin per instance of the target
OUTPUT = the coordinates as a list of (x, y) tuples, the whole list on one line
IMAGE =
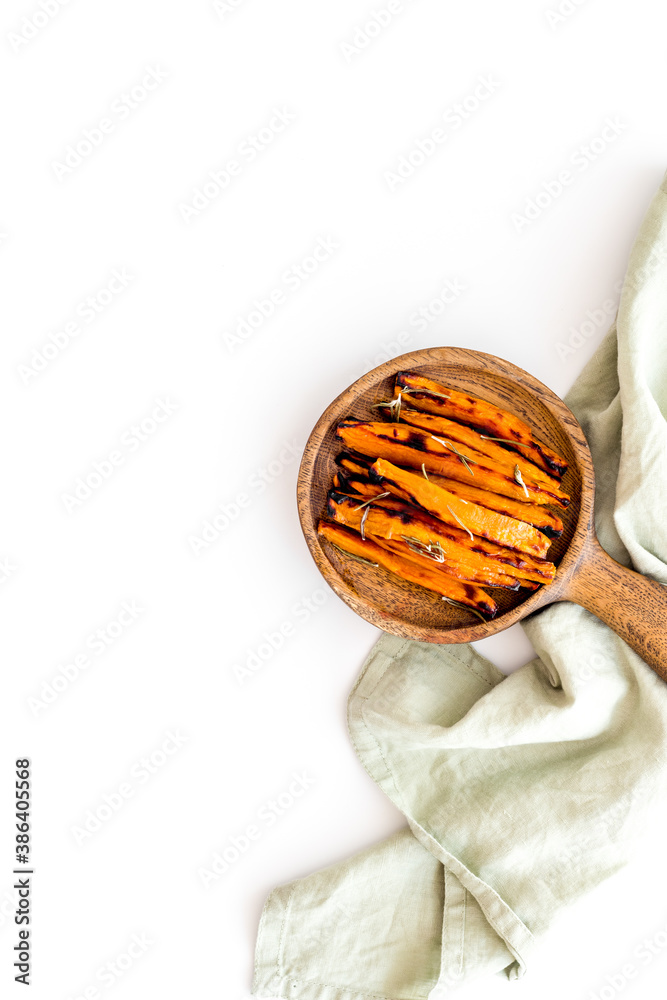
[(339, 407)]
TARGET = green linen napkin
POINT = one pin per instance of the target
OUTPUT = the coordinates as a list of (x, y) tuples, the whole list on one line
[(521, 793)]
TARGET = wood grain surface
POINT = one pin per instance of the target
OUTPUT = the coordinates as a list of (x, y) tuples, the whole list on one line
[(634, 606)]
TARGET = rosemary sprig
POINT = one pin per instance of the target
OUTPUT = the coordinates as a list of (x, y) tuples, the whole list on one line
[(486, 437), (386, 404), (460, 521), (518, 478), (353, 556), (462, 457), (393, 405), (432, 550), (424, 471), (425, 392), (457, 604), (366, 502), (363, 522)]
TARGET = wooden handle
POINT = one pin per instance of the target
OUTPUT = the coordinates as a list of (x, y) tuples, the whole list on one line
[(632, 604)]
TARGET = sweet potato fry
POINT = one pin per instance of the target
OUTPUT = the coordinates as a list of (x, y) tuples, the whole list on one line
[(435, 580), (403, 549), (425, 394), (353, 463), (405, 445), (358, 485), (520, 565), (499, 528), (461, 434), (478, 560), (538, 515)]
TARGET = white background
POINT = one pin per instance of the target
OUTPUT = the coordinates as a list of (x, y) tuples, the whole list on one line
[(69, 567)]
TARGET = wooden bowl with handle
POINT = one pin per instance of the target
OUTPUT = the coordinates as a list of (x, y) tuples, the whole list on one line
[(631, 604)]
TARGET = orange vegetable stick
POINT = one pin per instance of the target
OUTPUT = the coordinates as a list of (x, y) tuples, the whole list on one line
[(520, 565), (460, 433), (539, 516), (432, 579), (479, 560), (453, 510), (482, 415), (404, 445)]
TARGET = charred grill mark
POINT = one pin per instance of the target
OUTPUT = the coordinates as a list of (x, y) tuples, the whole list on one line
[(413, 439), (455, 535), (486, 607), (347, 483), (550, 532), (386, 481), (560, 468), (521, 565), (557, 467), (413, 499), (405, 517), (419, 441), (560, 501), (352, 456), (409, 439)]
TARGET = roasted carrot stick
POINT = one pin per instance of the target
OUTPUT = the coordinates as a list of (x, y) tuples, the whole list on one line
[(432, 579), (404, 550), (521, 565), (353, 463), (506, 531), (464, 435), (479, 560), (538, 515), (425, 394), (404, 445), (358, 485)]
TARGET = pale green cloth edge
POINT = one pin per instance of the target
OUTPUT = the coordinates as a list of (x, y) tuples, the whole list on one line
[(507, 925), (626, 378)]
